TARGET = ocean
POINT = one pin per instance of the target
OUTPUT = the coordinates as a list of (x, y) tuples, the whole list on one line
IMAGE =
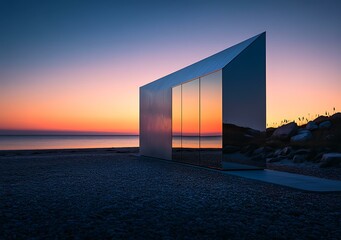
[(34, 142)]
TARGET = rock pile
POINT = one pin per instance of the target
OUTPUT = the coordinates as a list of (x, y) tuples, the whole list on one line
[(318, 141)]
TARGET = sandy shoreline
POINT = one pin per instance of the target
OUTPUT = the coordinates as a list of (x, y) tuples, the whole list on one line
[(110, 193)]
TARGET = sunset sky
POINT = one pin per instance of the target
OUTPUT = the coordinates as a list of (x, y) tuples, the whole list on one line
[(78, 65)]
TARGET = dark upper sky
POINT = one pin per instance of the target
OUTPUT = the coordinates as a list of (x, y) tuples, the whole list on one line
[(51, 30)]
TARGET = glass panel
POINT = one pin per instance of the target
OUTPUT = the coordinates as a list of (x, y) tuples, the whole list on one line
[(211, 119), (190, 122), (176, 123), (244, 109)]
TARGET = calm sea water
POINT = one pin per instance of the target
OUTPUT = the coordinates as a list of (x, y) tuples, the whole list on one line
[(60, 142), (92, 141)]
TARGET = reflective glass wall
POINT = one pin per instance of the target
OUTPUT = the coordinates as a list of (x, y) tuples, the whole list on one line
[(156, 122), (176, 123), (211, 119), (244, 109), (190, 122), (197, 121)]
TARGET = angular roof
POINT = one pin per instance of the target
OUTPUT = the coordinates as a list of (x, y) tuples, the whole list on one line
[(203, 67)]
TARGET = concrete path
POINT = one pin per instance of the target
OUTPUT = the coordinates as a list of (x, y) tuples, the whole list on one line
[(292, 180)]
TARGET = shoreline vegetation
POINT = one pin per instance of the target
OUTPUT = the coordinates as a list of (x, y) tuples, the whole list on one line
[(302, 120)]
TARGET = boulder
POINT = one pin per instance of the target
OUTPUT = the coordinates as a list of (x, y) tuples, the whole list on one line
[(303, 131), (286, 131), (330, 160), (311, 126), (286, 151), (302, 137), (269, 131), (274, 159), (277, 152), (320, 119), (302, 151), (336, 116), (299, 158), (274, 143), (318, 157), (325, 124)]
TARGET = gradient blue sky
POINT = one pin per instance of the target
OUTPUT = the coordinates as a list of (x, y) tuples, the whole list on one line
[(77, 65)]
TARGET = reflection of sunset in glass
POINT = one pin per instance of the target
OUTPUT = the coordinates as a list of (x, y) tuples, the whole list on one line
[(211, 105), (211, 110), (197, 113), (176, 116), (190, 108), (190, 114), (176, 110)]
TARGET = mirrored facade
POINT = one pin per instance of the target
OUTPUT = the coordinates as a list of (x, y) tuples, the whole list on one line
[(197, 121), (211, 113), (211, 119), (176, 123), (190, 121)]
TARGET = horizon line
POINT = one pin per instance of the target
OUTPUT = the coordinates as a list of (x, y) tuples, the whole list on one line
[(22, 132), (20, 135)]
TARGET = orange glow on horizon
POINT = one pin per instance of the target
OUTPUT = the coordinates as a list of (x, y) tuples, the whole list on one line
[(197, 109), (87, 100), (103, 96)]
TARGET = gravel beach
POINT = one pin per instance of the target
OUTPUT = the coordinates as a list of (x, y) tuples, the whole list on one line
[(112, 194)]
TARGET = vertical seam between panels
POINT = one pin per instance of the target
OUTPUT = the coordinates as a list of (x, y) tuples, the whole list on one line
[(199, 119), (181, 122)]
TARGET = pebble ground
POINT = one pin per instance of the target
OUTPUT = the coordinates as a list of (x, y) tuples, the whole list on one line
[(112, 194)]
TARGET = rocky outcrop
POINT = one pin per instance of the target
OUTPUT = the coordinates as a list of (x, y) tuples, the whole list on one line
[(303, 136), (285, 132), (317, 142), (325, 125), (286, 151), (336, 117), (331, 160), (320, 119), (312, 126), (299, 158)]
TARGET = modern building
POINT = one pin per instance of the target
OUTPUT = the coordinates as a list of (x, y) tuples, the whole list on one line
[(211, 113)]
